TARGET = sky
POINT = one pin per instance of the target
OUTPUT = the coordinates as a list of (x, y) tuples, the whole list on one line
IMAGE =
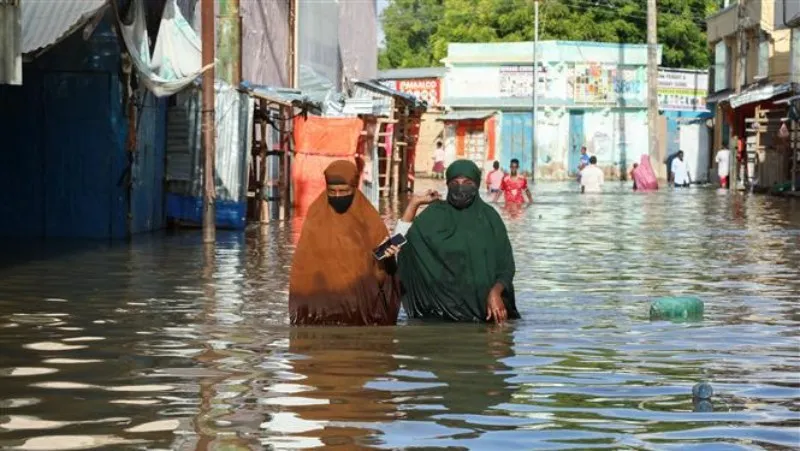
[(381, 5)]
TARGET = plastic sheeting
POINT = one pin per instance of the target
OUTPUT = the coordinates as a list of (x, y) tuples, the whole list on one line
[(265, 42), (234, 132), (177, 59), (358, 39), (318, 142)]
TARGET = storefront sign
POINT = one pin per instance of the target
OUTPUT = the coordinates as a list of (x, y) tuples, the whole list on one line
[(426, 89), (517, 81), (682, 90)]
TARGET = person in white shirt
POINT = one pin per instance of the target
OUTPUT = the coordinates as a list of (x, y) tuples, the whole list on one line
[(723, 160), (680, 171), (494, 180), (592, 177)]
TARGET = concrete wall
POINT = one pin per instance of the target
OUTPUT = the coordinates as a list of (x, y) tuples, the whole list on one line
[(607, 82)]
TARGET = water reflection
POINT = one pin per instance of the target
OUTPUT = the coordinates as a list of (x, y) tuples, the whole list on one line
[(166, 344)]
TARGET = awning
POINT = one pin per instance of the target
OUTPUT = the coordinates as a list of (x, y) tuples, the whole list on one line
[(760, 93), (46, 22), (787, 100), (467, 115), (721, 96)]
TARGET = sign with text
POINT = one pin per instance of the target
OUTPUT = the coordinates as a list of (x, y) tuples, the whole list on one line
[(517, 81), (427, 89), (682, 90)]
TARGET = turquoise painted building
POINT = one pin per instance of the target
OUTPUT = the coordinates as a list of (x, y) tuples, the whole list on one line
[(589, 94)]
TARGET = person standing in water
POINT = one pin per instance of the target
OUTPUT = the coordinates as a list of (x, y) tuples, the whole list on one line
[(494, 180), (680, 171), (513, 186), (335, 279), (438, 161), (458, 264), (723, 160), (592, 178)]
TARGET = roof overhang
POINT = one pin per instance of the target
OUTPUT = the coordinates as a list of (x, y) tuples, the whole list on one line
[(760, 93), (467, 115), (47, 22)]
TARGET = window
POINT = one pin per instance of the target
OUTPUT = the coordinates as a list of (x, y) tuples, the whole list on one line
[(721, 66), (763, 56)]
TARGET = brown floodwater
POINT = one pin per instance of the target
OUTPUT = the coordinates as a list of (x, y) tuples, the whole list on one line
[(162, 344)]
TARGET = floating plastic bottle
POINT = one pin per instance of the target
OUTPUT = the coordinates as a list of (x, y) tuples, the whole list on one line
[(702, 390), (676, 308)]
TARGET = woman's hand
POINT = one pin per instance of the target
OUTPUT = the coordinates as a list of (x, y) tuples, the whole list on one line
[(429, 197), (495, 308), (391, 251)]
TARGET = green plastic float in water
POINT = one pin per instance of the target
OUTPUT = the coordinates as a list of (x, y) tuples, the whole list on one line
[(676, 309)]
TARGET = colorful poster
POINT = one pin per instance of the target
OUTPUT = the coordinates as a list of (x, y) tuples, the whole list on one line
[(592, 84), (682, 90)]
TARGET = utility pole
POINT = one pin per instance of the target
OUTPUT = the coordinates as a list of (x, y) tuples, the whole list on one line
[(652, 80), (209, 194), (535, 115), (740, 168)]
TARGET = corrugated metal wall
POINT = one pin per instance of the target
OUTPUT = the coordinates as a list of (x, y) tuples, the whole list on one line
[(358, 38), (60, 177), (265, 42), (234, 118), (64, 169), (147, 171)]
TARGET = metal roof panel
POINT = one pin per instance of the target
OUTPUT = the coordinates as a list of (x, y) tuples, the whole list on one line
[(45, 22)]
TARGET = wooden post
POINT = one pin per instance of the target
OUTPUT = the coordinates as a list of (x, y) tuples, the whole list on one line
[(263, 191), (288, 149), (209, 154)]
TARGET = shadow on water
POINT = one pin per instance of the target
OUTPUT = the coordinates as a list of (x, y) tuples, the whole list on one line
[(166, 344)]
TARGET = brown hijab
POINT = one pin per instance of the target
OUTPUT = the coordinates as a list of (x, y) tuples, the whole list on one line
[(335, 280)]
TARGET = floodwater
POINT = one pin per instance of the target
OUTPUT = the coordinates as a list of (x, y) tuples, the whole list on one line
[(158, 344)]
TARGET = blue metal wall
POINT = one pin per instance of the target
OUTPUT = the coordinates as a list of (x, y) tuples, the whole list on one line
[(147, 171), (517, 139), (63, 163)]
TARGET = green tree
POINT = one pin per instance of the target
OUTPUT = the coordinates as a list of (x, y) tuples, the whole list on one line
[(409, 27), (418, 31)]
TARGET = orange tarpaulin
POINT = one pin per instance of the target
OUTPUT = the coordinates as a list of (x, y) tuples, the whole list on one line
[(319, 141)]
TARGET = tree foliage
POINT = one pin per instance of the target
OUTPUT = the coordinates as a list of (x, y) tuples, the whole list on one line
[(418, 31)]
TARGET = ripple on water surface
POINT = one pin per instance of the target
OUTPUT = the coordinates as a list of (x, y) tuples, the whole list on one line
[(163, 344)]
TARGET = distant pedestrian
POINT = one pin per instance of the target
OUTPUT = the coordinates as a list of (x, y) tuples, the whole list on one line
[(438, 161), (583, 162), (668, 162), (513, 186), (494, 181), (635, 167), (680, 171), (723, 160), (592, 177)]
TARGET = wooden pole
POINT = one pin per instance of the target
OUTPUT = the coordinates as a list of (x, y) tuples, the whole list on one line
[(652, 80), (209, 191)]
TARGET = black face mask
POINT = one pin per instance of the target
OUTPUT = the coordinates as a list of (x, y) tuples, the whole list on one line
[(341, 204), (461, 196)]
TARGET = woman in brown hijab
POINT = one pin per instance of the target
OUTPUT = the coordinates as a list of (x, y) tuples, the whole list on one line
[(335, 279)]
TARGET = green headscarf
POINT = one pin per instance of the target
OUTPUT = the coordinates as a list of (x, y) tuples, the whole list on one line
[(454, 257)]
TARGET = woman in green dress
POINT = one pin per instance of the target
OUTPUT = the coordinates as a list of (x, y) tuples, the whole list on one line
[(458, 264)]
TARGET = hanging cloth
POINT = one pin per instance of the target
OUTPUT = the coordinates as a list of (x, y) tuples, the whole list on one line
[(177, 59)]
